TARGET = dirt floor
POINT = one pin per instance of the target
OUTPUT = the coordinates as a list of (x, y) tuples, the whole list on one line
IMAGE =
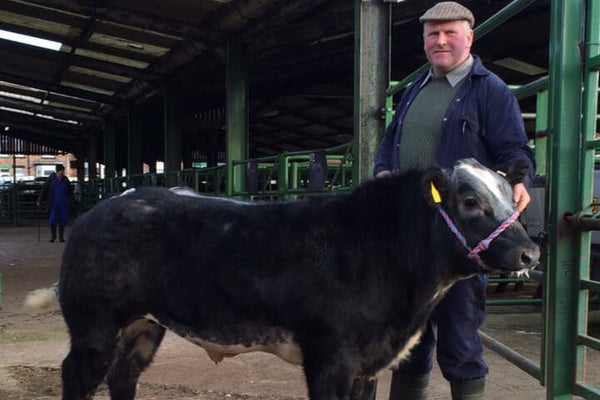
[(33, 344)]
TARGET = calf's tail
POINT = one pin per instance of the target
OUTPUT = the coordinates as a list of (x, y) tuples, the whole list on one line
[(40, 299)]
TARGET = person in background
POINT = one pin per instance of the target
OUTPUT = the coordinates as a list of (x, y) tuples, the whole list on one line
[(57, 191), (458, 109)]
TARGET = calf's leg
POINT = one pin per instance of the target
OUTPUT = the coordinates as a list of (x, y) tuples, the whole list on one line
[(328, 377), (136, 346), (87, 362)]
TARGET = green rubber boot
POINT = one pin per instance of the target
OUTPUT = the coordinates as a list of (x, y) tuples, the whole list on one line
[(468, 390), (409, 387)]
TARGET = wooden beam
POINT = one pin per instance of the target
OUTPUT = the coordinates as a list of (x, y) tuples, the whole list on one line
[(44, 13), (281, 13), (55, 140), (86, 62), (51, 111), (50, 97), (63, 90), (138, 20), (12, 118), (92, 81), (96, 47)]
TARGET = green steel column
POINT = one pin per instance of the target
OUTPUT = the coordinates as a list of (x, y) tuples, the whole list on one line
[(564, 139), (236, 116), (91, 156), (541, 125), (371, 78), (109, 150), (173, 149), (134, 143), (283, 177), (589, 129)]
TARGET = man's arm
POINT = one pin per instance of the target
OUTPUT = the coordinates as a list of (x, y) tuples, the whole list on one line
[(383, 158), (507, 139), (44, 192)]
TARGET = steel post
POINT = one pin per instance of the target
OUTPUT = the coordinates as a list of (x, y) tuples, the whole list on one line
[(541, 125), (586, 183), (173, 149), (371, 78), (109, 149), (134, 143), (236, 116), (564, 142)]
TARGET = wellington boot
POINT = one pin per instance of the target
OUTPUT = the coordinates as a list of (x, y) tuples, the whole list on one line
[(52, 233), (408, 386), (468, 390)]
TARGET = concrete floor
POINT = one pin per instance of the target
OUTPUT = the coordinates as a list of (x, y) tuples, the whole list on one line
[(32, 345)]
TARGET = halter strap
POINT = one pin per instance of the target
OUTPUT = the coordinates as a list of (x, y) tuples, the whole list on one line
[(485, 243)]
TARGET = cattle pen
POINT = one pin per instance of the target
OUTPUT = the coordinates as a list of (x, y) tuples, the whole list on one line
[(276, 100)]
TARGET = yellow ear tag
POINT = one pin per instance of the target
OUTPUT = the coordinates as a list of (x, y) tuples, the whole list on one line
[(435, 194)]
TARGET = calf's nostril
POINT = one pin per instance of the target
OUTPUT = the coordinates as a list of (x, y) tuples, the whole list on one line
[(530, 257)]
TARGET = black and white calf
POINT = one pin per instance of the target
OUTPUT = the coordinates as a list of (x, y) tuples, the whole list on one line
[(339, 284)]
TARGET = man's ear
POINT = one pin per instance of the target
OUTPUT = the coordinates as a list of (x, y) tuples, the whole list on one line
[(516, 171), (435, 186)]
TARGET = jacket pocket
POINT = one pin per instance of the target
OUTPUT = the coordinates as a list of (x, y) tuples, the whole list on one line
[(470, 126)]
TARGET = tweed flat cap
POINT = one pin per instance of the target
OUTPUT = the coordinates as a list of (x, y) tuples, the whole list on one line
[(448, 11)]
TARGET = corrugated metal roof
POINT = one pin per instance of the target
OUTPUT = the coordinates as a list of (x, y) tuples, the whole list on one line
[(116, 55)]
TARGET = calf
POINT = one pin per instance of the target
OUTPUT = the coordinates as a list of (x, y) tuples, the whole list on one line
[(341, 285)]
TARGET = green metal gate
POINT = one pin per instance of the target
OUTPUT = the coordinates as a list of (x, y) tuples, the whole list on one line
[(573, 102)]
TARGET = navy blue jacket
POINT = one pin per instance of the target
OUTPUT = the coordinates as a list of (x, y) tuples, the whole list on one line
[(483, 121)]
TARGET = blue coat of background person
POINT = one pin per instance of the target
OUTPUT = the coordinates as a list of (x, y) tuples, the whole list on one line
[(57, 191)]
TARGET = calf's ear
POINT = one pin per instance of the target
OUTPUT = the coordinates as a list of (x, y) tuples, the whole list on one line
[(516, 171), (435, 186)]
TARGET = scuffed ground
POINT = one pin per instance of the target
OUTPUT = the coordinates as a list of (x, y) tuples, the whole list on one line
[(33, 344)]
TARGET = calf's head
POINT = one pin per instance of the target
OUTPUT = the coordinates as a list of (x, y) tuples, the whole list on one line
[(478, 201)]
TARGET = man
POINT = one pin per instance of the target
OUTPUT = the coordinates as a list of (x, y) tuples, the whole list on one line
[(57, 190), (457, 110)]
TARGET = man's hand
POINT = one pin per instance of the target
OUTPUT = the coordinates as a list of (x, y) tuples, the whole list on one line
[(382, 174), (520, 196)]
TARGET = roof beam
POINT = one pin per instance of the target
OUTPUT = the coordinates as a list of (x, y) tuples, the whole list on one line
[(126, 17), (64, 90), (44, 13), (61, 58), (56, 140), (281, 13), (38, 125), (51, 111), (97, 47), (50, 97)]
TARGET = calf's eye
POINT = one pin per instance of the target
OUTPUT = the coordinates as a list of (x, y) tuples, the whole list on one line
[(470, 202)]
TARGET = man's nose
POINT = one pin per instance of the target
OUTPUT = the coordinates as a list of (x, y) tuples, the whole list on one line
[(441, 39)]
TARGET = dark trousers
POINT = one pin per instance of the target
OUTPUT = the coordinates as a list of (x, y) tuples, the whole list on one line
[(456, 320), (59, 213)]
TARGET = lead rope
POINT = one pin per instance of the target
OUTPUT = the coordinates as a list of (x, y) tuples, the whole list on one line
[(482, 245)]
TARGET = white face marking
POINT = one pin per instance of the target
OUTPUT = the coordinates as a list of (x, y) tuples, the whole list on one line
[(287, 350), (128, 191), (491, 183), (185, 191), (405, 351)]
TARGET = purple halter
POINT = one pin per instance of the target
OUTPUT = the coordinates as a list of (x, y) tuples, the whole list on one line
[(485, 243)]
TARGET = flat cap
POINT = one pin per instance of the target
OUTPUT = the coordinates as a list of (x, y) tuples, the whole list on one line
[(448, 11)]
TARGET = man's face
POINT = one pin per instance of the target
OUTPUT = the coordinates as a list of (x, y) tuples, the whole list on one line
[(60, 173), (447, 44)]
